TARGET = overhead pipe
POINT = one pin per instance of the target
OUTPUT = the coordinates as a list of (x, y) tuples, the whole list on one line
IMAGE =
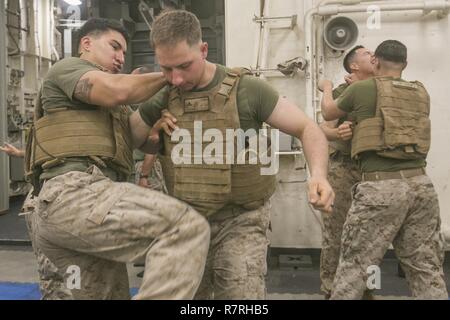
[(261, 55), (4, 159), (331, 9), (52, 30), (36, 35)]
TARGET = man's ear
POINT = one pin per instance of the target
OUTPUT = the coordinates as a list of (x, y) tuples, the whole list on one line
[(354, 66), (406, 64), (204, 50), (85, 44)]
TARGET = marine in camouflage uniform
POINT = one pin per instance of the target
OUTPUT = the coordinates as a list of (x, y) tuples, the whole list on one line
[(51, 284), (396, 201), (85, 217), (343, 174), (235, 198)]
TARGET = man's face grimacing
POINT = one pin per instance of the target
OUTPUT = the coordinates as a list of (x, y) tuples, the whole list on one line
[(183, 65), (106, 49), (363, 61)]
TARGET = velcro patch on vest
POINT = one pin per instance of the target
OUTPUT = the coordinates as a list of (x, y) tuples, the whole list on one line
[(405, 85), (196, 104)]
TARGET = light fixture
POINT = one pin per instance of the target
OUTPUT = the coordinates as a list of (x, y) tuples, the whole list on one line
[(73, 2)]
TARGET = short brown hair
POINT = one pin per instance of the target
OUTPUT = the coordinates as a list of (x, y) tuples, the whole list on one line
[(174, 26), (97, 26), (349, 58), (392, 51)]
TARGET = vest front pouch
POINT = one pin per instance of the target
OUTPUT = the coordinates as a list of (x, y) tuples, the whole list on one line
[(197, 168), (406, 134), (83, 133)]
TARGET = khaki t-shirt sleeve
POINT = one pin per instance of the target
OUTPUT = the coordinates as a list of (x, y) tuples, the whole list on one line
[(66, 73), (345, 101), (150, 110), (339, 90), (262, 98)]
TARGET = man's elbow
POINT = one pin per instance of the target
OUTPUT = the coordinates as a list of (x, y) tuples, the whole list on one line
[(122, 97)]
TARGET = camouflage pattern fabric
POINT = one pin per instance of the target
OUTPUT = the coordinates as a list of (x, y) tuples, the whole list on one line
[(404, 212), (236, 264), (51, 283), (156, 177), (343, 174), (84, 219)]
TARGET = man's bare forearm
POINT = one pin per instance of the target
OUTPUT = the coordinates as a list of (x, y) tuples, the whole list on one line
[(331, 133), (110, 90), (327, 102), (147, 164), (142, 87), (315, 146)]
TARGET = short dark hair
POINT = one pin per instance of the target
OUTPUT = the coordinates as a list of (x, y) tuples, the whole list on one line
[(97, 26), (173, 26), (392, 51), (348, 60)]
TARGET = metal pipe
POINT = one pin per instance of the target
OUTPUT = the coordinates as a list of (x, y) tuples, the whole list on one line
[(4, 160), (23, 25), (329, 10), (13, 13), (36, 35), (262, 37), (256, 19), (36, 39), (52, 30), (343, 2)]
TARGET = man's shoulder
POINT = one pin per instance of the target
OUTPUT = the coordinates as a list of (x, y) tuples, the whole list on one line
[(161, 96), (248, 79), (339, 90), (342, 86), (67, 64), (71, 61), (362, 86)]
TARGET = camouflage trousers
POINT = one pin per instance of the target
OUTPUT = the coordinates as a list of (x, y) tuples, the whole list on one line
[(343, 174), (404, 212), (51, 283), (90, 226), (156, 177), (236, 265)]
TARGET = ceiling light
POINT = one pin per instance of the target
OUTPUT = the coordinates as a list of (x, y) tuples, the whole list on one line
[(73, 2)]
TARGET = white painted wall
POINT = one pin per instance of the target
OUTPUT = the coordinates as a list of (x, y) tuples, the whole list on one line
[(428, 40)]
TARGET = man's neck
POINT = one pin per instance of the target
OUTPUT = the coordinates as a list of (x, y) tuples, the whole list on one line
[(208, 75), (389, 73), (363, 76)]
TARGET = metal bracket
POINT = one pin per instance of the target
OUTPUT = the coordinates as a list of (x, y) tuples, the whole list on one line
[(263, 19), (147, 14)]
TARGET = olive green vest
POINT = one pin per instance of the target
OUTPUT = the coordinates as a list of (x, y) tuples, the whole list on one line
[(401, 128), (210, 187), (103, 135)]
